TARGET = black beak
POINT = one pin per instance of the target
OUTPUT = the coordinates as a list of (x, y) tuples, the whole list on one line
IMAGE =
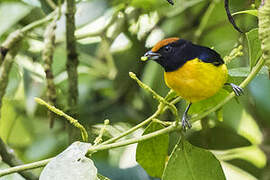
[(150, 56)]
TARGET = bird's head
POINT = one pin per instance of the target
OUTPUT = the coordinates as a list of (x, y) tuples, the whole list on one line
[(168, 53)]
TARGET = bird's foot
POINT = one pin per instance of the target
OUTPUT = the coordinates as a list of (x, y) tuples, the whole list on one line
[(236, 89), (185, 122)]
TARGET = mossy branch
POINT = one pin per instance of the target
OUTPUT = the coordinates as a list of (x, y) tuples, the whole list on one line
[(9, 158), (264, 31), (47, 55), (71, 120)]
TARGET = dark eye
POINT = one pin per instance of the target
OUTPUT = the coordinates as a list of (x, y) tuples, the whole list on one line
[(167, 48)]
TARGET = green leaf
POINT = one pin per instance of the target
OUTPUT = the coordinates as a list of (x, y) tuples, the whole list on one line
[(152, 154), (204, 105), (71, 164), (237, 118), (100, 177), (11, 13), (251, 12), (254, 46), (192, 163)]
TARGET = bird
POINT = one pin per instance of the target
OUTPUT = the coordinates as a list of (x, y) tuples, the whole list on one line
[(194, 72)]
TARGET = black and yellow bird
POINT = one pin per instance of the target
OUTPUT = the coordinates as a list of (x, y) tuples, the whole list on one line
[(194, 72)]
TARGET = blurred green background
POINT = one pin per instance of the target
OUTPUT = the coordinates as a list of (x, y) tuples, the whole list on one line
[(128, 29)]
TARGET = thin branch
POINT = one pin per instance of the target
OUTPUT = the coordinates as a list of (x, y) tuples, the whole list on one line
[(171, 128), (72, 121), (9, 158), (25, 167)]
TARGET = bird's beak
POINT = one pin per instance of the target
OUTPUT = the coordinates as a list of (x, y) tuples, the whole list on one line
[(150, 56)]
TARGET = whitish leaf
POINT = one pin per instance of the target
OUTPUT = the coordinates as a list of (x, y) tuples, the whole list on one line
[(71, 164), (151, 154), (235, 173), (192, 163), (254, 46), (251, 12), (252, 154)]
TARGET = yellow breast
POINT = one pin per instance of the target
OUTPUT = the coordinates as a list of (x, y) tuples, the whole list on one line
[(196, 80)]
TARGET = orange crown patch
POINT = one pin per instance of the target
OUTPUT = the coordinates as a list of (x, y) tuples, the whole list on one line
[(163, 43)]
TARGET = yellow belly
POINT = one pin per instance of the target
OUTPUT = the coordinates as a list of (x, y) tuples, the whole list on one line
[(196, 80)]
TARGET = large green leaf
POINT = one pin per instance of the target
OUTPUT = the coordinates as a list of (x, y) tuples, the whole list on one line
[(254, 46), (192, 163), (151, 154)]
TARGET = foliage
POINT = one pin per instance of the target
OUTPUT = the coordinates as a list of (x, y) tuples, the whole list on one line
[(229, 142)]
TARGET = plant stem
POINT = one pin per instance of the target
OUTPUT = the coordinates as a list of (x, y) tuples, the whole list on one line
[(25, 167), (134, 140), (205, 20), (160, 107), (72, 121), (106, 145), (9, 158)]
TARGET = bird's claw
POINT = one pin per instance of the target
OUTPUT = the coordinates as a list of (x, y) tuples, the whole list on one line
[(237, 90), (185, 123)]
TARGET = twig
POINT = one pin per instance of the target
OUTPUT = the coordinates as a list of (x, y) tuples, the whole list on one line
[(72, 121), (98, 140), (25, 167), (205, 20), (154, 94), (9, 158)]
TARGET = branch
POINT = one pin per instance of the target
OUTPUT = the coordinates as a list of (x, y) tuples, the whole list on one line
[(264, 31), (9, 158), (47, 56), (72, 58), (169, 129), (72, 121)]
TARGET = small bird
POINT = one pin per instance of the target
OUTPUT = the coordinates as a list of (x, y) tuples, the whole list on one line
[(194, 72)]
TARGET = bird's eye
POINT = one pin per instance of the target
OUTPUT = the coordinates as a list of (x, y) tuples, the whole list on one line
[(167, 48)]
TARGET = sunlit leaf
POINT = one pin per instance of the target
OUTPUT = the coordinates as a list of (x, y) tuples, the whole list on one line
[(11, 13), (237, 118), (151, 154), (235, 173), (192, 163), (254, 46), (252, 154)]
